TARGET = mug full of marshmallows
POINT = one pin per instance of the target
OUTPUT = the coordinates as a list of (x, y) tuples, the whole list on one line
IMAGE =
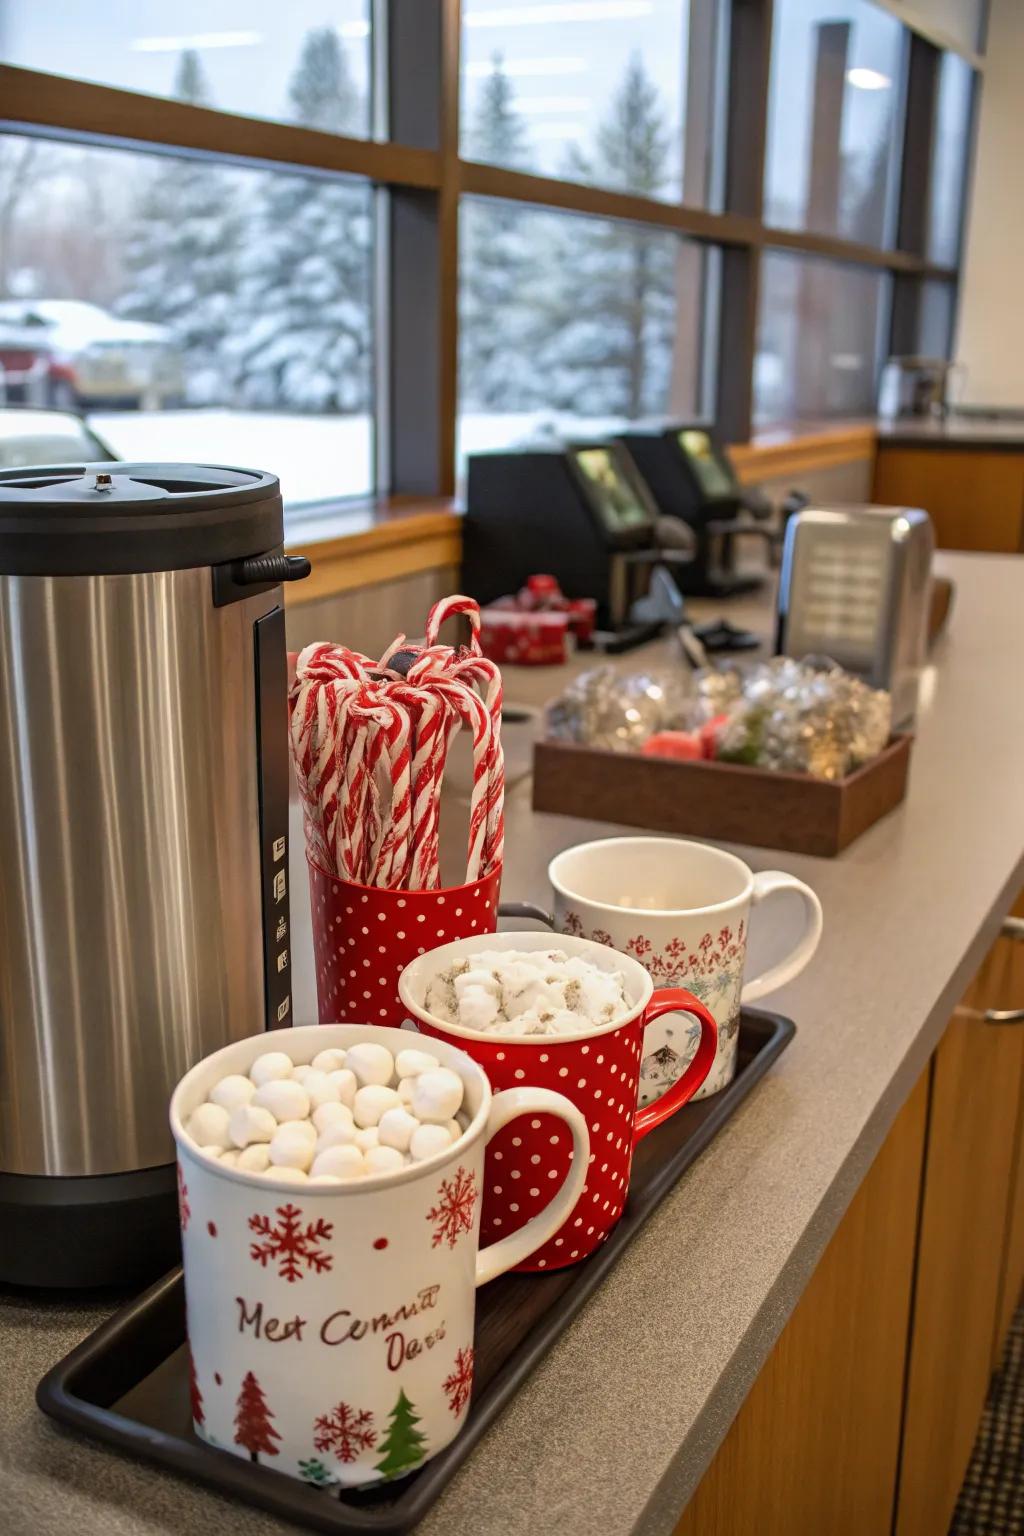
[(329, 1183)]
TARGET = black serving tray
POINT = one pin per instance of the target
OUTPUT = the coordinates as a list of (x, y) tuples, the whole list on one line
[(127, 1383)]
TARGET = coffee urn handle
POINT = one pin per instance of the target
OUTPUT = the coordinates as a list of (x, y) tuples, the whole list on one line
[(256, 573)]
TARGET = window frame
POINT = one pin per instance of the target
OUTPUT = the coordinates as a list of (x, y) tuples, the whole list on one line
[(415, 66)]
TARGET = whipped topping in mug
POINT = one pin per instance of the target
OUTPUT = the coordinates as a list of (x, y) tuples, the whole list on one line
[(526, 992)]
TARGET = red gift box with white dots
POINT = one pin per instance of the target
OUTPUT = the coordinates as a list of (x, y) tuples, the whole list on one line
[(528, 1159), (364, 937)]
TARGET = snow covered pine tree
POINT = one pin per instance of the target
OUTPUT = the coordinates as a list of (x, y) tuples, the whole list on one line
[(182, 250), (305, 277)]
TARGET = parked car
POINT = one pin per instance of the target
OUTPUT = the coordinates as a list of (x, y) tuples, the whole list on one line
[(65, 353), (29, 437)]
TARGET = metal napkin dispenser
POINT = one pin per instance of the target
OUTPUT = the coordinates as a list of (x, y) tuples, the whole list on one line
[(855, 585)]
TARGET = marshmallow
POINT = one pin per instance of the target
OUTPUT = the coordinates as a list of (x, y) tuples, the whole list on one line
[(289, 1149), (232, 1091), (410, 1063), (301, 1073), (454, 1129), (371, 1063), (395, 1128), (303, 1128), (428, 1139), (527, 992), (270, 1066), (383, 1160), (208, 1126), (229, 1159), (339, 1134), (331, 1114), (254, 1158), (283, 1175), (214, 1152), (345, 1082), (320, 1089), (329, 1061), (251, 1122), (285, 1098), (342, 1162), (406, 1086), (371, 1102), (437, 1095), (365, 1139)]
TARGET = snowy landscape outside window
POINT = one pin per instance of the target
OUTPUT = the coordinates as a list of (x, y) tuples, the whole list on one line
[(228, 309), (249, 50), (573, 326), (618, 93)]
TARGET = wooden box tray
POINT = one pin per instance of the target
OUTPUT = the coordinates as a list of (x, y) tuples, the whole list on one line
[(127, 1383), (727, 802)]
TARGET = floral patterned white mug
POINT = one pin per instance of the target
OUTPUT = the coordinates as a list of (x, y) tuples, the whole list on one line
[(682, 909), (331, 1325)]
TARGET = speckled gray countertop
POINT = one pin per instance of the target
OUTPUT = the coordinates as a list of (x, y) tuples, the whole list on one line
[(615, 1428)]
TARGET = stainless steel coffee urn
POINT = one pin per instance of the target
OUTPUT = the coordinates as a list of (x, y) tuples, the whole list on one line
[(143, 837)]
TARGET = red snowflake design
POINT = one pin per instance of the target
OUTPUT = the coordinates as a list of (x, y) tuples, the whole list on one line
[(290, 1245), (459, 1384), (453, 1213), (184, 1209), (675, 959), (601, 936), (345, 1430), (573, 923)]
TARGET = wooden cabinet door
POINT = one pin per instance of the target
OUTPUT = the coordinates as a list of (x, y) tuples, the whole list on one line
[(1007, 976), (969, 1174), (814, 1449)]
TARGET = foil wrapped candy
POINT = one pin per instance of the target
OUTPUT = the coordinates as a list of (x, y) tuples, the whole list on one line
[(792, 716)]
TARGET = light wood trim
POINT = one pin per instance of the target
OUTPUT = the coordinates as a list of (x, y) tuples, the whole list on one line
[(814, 1448), (976, 1078), (382, 553), (32, 99), (775, 456), (835, 249)]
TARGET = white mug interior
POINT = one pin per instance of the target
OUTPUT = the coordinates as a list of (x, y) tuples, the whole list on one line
[(416, 978), (660, 875)]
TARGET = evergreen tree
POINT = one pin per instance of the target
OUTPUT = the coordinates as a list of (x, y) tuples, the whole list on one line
[(497, 316), (253, 1429), (305, 285), (403, 1445), (613, 315), (181, 256)]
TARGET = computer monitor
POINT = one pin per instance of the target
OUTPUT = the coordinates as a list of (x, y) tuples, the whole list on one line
[(707, 462), (613, 491)]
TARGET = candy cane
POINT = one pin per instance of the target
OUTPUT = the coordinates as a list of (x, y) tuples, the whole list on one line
[(446, 609)]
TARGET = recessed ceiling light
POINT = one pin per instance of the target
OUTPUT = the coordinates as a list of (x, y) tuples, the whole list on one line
[(570, 10), (867, 79), (195, 40)]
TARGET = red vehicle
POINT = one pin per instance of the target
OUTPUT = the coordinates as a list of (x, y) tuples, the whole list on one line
[(66, 353)]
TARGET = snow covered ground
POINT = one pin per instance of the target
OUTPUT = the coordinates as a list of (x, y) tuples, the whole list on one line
[(318, 458)]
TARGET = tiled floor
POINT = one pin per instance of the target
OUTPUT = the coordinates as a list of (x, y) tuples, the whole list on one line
[(991, 1500)]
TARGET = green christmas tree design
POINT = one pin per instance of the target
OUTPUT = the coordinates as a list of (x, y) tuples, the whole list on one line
[(403, 1445)]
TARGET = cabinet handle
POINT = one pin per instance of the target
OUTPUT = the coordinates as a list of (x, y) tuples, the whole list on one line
[(1013, 928), (1003, 1015)]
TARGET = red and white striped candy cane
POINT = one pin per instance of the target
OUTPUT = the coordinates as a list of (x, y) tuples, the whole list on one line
[(483, 673), (433, 724), (446, 609)]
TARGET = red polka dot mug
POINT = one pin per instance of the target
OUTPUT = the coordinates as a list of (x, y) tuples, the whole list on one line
[(331, 1325), (598, 1069), (363, 937)]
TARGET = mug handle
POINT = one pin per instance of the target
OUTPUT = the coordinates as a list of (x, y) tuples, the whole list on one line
[(675, 1000), (526, 909), (509, 1105), (767, 884)]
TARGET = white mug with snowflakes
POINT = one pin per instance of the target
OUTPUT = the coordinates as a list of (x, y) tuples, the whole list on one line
[(683, 910), (331, 1325)]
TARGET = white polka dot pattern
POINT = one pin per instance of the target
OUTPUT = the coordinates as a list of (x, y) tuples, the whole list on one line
[(349, 923)]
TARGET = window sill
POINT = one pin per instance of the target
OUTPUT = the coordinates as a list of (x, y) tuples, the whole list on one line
[(373, 542)]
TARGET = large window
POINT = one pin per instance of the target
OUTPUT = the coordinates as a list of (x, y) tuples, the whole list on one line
[(616, 92), (351, 241), (302, 61), (818, 339), (192, 310), (833, 127), (574, 326), (949, 159)]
